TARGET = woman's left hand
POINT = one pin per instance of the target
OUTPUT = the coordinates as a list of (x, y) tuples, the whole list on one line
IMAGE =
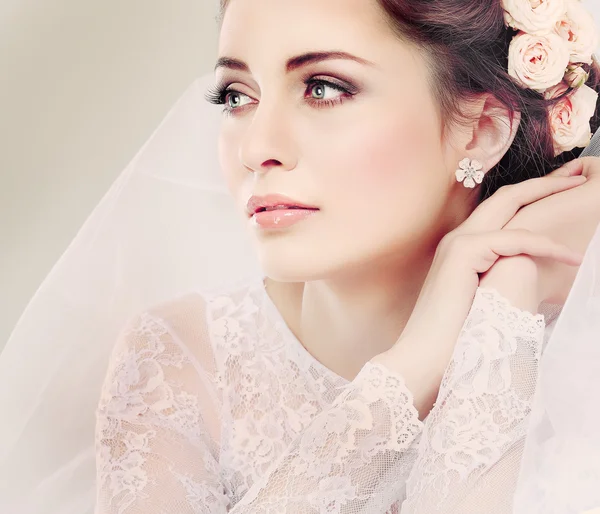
[(569, 217)]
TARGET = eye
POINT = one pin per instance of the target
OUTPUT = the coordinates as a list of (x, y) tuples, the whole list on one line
[(323, 90), (235, 99), (321, 93), (230, 98)]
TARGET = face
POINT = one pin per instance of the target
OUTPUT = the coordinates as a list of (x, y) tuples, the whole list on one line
[(357, 135)]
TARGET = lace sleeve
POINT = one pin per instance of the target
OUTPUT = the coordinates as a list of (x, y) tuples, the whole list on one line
[(352, 458), (472, 440), (156, 428)]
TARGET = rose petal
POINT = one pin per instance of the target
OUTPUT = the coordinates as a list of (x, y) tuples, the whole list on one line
[(578, 28), (570, 118), (538, 62), (534, 19)]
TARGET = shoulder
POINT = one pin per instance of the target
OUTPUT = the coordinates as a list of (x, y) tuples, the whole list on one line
[(196, 310), (191, 322), (167, 321)]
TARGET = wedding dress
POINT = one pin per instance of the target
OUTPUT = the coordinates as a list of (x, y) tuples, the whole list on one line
[(210, 403)]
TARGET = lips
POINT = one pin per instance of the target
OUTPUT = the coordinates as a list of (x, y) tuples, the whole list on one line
[(258, 204), (278, 212)]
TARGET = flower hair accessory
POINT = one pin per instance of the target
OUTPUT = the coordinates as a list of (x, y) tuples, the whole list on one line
[(554, 42)]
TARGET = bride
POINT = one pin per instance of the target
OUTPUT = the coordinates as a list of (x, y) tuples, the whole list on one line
[(390, 161), (384, 156)]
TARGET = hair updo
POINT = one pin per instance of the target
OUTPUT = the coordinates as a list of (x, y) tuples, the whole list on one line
[(466, 43)]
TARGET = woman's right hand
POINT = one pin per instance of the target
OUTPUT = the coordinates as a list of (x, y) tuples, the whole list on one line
[(427, 343)]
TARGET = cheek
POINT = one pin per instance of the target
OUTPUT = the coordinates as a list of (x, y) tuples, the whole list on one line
[(384, 160)]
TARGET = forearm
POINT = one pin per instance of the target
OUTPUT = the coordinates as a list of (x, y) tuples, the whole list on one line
[(481, 412), (423, 358)]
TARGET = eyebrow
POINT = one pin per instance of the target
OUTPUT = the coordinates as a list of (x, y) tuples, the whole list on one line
[(296, 62)]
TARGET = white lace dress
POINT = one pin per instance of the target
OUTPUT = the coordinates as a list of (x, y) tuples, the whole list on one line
[(211, 405)]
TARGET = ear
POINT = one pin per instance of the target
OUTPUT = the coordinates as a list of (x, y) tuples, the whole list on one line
[(493, 131)]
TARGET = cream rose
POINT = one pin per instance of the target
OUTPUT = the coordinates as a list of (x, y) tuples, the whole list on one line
[(579, 29), (533, 16), (538, 62), (570, 117)]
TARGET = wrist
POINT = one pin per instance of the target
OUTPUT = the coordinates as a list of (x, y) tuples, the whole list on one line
[(421, 367), (518, 280)]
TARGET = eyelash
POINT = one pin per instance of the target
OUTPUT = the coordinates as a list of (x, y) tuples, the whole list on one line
[(218, 95)]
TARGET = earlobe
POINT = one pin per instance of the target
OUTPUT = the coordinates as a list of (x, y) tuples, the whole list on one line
[(493, 133)]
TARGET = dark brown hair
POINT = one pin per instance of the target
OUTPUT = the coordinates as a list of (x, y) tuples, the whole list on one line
[(465, 43)]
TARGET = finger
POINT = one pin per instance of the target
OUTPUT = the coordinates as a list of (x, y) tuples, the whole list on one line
[(495, 212), (570, 169), (508, 243), (590, 165)]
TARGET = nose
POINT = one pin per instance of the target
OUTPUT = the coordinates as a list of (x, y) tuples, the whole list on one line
[(268, 142)]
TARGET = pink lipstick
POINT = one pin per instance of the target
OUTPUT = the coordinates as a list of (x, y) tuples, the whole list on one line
[(278, 211)]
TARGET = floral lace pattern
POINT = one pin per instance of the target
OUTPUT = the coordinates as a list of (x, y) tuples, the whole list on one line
[(211, 405), (484, 401)]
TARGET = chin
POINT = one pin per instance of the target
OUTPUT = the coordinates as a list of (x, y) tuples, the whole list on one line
[(292, 270), (285, 261), (306, 263)]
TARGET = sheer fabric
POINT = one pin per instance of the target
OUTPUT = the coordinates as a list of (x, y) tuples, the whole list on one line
[(211, 405)]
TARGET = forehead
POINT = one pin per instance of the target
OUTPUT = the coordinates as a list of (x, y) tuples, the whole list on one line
[(303, 25)]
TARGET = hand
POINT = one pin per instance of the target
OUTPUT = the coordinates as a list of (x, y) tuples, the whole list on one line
[(426, 345), (569, 217)]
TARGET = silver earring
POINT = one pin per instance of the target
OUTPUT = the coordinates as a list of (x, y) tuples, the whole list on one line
[(470, 173)]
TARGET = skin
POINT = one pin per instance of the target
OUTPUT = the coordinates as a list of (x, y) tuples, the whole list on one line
[(555, 216), (379, 164)]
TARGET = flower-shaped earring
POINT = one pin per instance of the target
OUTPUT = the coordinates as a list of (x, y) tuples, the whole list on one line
[(470, 172)]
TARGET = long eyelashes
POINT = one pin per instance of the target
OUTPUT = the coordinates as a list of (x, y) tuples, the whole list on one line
[(216, 95), (220, 95)]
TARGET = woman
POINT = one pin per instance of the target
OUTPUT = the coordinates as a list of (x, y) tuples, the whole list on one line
[(388, 361)]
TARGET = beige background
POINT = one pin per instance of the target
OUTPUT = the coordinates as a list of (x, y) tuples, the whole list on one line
[(82, 85)]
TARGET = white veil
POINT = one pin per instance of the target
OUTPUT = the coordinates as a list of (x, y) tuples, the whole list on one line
[(560, 469), (168, 225)]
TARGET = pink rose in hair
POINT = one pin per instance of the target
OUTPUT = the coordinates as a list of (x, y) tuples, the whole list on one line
[(579, 29), (570, 117), (533, 16), (538, 62)]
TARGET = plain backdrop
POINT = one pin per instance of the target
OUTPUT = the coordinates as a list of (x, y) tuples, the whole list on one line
[(83, 84)]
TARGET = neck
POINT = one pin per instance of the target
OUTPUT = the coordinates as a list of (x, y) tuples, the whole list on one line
[(346, 320)]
